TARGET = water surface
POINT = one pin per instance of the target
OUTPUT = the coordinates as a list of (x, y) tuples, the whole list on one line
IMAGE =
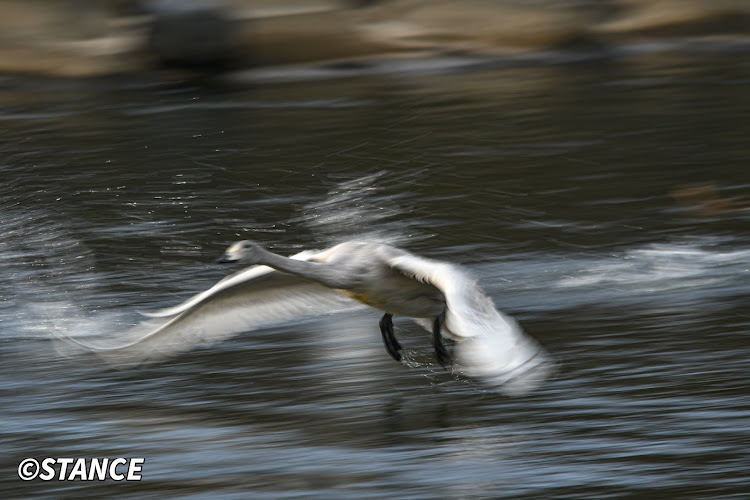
[(603, 206)]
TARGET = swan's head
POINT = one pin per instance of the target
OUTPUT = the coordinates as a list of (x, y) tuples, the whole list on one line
[(246, 252)]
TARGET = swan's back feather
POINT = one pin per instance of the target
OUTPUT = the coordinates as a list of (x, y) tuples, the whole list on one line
[(468, 310)]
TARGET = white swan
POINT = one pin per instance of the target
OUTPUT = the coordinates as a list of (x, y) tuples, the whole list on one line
[(440, 296)]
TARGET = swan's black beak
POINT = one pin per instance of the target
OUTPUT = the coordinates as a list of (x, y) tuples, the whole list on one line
[(226, 259)]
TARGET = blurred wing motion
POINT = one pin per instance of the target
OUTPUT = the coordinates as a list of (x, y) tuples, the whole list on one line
[(490, 346), (252, 298)]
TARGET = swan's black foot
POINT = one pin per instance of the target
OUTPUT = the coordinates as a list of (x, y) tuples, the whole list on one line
[(389, 339), (440, 351)]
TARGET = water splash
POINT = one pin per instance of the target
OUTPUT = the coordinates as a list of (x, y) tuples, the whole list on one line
[(363, 208), (48, 272)]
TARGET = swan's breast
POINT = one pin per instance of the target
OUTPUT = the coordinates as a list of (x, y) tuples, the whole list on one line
[(367, 299)]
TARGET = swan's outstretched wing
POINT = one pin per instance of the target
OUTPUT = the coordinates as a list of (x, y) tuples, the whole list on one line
[(250, 299), (245, 275), (491, 346)]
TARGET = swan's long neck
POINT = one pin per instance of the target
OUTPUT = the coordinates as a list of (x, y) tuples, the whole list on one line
[(321, 273)]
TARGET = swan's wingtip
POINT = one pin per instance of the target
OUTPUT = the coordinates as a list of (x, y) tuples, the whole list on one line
[(514, 371), (527, 381)]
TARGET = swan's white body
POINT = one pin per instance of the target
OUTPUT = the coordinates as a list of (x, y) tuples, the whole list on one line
[(490, 346)]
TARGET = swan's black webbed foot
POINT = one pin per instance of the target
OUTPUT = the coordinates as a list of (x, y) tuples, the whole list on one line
[(440, 351), (389, 339)]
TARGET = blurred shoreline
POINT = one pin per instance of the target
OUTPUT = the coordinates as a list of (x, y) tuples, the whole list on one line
[(257, 39)]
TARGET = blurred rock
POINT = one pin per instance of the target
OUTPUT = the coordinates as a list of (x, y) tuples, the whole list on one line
[(679, 17), (480, 25), (192, 33), (704, 200), (71, 38), (85, 37)]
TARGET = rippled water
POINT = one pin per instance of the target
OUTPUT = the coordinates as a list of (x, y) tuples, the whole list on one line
[(603, 206)]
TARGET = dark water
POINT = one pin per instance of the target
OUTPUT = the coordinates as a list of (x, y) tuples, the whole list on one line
[(603, 206)]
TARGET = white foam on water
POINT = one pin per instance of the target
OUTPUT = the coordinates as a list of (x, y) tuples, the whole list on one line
[(362, 208), (662, 267)]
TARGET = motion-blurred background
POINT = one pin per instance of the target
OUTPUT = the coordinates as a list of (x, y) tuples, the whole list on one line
[(85, 38), (587, 160)]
